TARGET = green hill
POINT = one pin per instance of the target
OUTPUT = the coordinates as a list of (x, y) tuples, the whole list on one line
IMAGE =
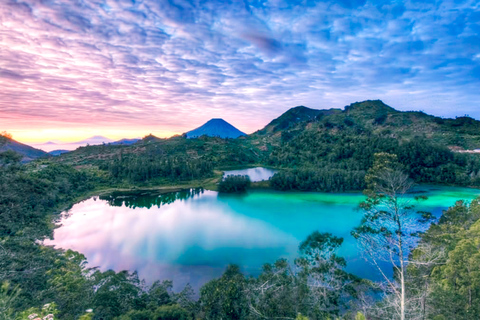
[(28, 153), (375, 117)]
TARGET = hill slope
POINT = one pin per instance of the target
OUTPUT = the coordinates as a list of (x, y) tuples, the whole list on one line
[(294, 116), (28, 153), (216, 128), (371, 117)]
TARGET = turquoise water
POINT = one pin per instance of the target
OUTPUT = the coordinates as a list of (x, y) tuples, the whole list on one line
[(190, 237)]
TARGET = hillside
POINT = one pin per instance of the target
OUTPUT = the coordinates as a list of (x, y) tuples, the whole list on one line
[(216, 128), (28, 153), (294, 116), (371, 117), (221, 152), (324, 150), (333, 151)]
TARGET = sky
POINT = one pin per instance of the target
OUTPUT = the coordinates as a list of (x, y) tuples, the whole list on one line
[(70, 69)]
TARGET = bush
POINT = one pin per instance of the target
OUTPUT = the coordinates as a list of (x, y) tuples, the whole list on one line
[(173, 312)]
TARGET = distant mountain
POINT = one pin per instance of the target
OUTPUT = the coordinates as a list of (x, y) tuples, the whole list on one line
[(216, 128), (58, 152), (69, 146), (95, 140), (28, 153), (125, 142)]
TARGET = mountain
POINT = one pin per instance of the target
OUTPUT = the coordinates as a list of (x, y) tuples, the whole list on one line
[(95, 140), (69, 146), (58, 152), (216, 128), (29, 153), (125, 142), (367, 118), (294, 116)]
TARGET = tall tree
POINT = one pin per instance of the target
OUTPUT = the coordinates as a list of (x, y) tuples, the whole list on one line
[(386, 233)]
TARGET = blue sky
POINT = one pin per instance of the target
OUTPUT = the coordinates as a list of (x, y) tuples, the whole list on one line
[(127, 68)]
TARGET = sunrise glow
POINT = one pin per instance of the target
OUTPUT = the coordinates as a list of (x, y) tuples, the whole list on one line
[(127, 69)]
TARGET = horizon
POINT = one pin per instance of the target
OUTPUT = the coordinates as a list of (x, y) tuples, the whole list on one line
[(79, 141), (122, 69)]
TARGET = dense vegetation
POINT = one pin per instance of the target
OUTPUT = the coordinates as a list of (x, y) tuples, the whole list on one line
[(324, 179), (335, 151), (234, 183), (145, 168), (441, 279)]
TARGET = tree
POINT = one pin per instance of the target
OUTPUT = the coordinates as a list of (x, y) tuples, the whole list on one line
[(386, 233), (234, 183), (9, 157), (316, 286), (324, 274), (225, 298)]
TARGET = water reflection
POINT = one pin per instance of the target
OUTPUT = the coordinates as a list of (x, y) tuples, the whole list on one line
[(255, 174), (148, 199), (189, 241), (190, 236)]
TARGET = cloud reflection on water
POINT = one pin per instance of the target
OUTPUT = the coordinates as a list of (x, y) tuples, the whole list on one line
[(255, 174), (189, 241)]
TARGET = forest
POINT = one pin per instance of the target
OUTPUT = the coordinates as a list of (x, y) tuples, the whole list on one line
[(319, 161)]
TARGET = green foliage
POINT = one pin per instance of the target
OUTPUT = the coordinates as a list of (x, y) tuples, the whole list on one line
[(324, 179), (141, 168), (29, 195), (7, 298), (86, 316), (70, 283), (166, 312), (454, 281), (360, 316), (234, 183), (48, 311), (225, 298), (171, 312), (301, 317), (9, 157)]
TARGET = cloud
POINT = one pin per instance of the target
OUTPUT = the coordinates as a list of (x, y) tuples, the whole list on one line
[(167, 66)]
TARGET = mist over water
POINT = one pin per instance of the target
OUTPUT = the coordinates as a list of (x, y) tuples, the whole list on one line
[(190, 237)]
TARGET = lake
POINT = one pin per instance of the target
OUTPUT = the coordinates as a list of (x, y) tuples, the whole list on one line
[(255, 174), (190, 236)]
